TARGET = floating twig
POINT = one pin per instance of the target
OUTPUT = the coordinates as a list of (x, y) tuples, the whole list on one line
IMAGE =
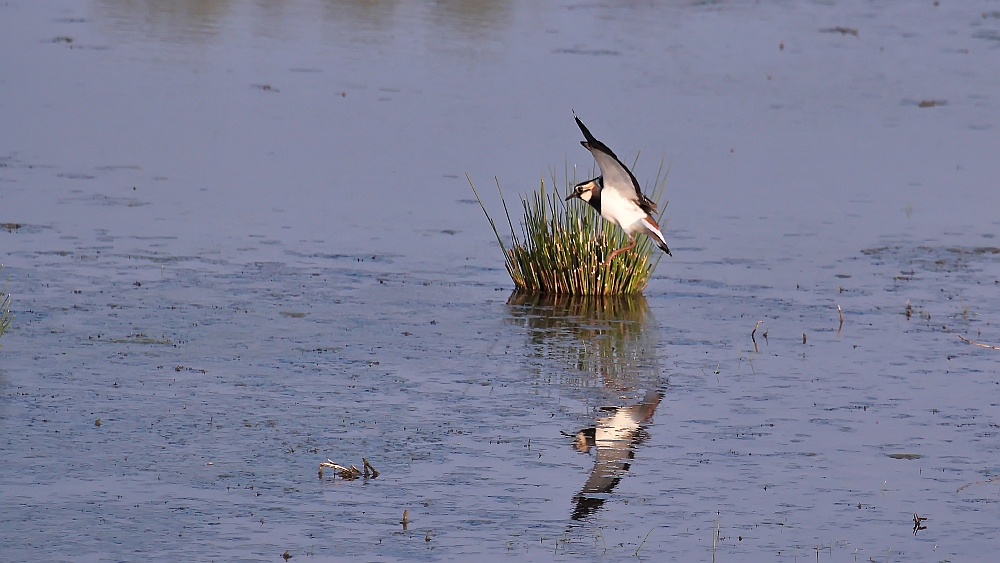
[(752, 332), (636, 554), (841, 30), (715, 538), (5, 315), (406, 519), (352, 472), (369, 470), (349, 473), (918, 523), (967, 485), (964, 339)]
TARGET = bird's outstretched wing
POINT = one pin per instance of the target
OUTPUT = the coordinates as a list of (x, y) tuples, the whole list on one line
[(617, 176), (616, 437)]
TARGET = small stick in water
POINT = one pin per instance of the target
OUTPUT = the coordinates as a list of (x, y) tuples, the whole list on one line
[(754, 339), (918, 523), (345, 472), (406, 519), (967, 485), (369, 468), (964, 339), (841, 312)]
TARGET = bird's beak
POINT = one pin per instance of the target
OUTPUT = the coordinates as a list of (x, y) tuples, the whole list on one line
[(574, 194)]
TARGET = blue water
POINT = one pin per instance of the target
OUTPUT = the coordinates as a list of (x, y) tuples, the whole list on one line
[(239, 235)]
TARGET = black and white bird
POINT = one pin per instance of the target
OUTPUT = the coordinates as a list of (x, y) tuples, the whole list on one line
[(616, 195), (615, 436)]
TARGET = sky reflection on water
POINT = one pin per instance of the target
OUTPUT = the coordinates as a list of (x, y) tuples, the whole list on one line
[(246, 244)]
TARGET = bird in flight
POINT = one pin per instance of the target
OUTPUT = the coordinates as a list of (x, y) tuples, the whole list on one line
[(616, 195)]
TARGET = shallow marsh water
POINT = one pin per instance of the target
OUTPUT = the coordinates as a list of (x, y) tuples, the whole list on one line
[(239, 236)]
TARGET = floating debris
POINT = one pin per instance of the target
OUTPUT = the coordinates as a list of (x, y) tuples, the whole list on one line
[(918, 523), (980, 344), (752, 333), (5, 315), (349, 473), (370, 471), (967, 485), (841, 30)]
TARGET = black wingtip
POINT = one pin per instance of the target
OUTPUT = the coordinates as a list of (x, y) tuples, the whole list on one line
[(663, 246), (586, 132)]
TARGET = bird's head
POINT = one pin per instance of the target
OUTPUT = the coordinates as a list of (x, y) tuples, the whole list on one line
[(585, 190), (584, 440)]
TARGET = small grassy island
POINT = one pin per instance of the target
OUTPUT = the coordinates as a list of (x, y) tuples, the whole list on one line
[(563, 246)]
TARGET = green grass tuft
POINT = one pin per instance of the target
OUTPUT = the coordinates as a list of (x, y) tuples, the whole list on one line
[(563, 246), (5, 315)]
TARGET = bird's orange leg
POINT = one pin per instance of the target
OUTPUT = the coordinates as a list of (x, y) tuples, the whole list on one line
[(620, 250)]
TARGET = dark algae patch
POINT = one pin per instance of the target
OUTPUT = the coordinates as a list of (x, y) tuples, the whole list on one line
[(905, 456)]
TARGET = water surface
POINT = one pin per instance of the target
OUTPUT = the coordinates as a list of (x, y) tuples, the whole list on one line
[(238, 235)]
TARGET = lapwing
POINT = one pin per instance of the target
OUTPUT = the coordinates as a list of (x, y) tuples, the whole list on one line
[(616, 195), (615, 437)]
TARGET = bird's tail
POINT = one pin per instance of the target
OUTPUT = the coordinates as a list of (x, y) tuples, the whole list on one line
[(653, 230)]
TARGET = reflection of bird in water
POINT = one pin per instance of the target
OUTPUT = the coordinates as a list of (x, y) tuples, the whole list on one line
[(616, 195), (615, 438)]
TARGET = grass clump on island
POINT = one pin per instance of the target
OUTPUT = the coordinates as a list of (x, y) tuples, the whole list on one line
[(5, 315), (563, 245)]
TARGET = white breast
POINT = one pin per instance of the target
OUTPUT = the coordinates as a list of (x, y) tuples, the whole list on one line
[(613, 430), (625, 212)]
